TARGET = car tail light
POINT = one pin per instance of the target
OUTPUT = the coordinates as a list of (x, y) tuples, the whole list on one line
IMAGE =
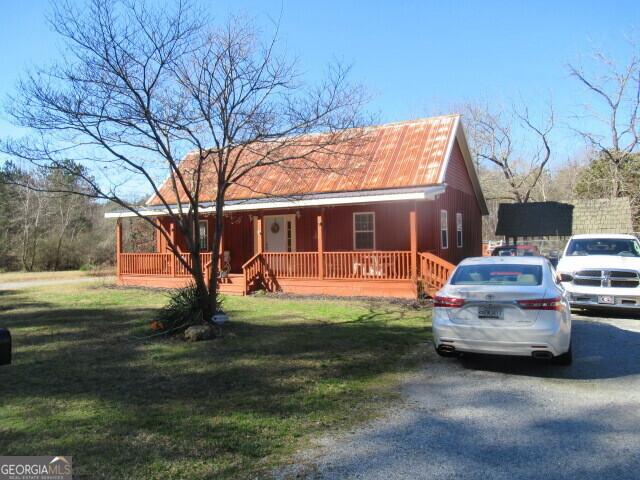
[(448, 302), (541, 304)]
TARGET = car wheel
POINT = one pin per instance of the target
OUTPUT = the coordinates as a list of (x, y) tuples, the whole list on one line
[(564, 359)]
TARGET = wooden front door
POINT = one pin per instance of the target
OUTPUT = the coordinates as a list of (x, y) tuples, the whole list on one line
[(279, 233)]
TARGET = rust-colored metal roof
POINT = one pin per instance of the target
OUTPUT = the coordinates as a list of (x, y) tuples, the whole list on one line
[(397, 155)]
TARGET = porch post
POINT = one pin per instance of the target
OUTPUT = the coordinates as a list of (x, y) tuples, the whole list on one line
[(413, 233), (260, 234), (320, 246), (158, 236), (221, 252), (118, 245), (172, 259)]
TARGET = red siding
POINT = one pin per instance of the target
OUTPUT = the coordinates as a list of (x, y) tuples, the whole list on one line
[(453, 201), (457, 175)]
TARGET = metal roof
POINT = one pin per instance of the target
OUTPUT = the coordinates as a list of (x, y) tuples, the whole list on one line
[(392, 156)]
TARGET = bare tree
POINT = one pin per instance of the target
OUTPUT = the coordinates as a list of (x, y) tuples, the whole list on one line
[(616, 89), (30, 219), (142, 87), (511, 141)]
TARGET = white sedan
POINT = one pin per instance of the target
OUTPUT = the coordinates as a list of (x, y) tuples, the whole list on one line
[(506, 306)]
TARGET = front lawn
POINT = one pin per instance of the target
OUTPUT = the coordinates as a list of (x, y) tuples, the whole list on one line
[(87, 382)]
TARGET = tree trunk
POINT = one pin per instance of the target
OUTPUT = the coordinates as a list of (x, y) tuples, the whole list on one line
[(215, 252), (197, 270)]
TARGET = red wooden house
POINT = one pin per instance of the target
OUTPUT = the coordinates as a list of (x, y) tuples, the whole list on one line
[(396, 224)]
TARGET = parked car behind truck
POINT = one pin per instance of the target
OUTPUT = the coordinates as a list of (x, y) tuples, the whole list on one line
[(601, 270)]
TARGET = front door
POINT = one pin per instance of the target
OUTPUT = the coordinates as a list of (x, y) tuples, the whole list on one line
[(279, 233)]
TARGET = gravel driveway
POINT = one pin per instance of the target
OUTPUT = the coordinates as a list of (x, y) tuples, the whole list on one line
[(496, 418), (58, 281)]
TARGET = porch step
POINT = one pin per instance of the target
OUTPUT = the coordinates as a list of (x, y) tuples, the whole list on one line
[(232, 285)]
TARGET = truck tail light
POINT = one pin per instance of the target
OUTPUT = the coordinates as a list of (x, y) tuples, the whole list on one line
[(448, 302)]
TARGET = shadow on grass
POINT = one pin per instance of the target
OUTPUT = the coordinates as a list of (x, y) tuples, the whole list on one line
[(84, 381)]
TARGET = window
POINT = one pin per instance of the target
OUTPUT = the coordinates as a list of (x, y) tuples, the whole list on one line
[(444, 229), (203, 226), (459, 230), (364, 231), (289, 236), (604, 246), (499, 274)]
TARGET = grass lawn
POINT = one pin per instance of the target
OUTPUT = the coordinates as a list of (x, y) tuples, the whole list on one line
[(87, 381)]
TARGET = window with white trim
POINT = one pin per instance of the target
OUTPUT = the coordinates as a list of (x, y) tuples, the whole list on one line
[(364, 230), (444, 229), (459, 230), (203, 230)]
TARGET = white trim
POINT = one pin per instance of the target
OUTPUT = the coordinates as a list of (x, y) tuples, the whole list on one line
[(452, 140), (458, 134), (471, 168), (353, 227), (459, 228), (446, 228), (348, 198)]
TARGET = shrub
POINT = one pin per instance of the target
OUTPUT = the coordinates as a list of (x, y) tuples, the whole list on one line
[(182, 311)]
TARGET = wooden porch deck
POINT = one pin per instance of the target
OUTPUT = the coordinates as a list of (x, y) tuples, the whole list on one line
[(372, 273)]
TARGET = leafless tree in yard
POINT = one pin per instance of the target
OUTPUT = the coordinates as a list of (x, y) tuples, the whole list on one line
[(29, 220), (142, 86), (510, 141), (615, 89)]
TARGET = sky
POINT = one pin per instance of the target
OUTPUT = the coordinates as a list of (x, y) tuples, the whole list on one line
[(415, 58)]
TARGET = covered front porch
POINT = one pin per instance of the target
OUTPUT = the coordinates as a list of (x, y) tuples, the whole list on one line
[(351, 250)]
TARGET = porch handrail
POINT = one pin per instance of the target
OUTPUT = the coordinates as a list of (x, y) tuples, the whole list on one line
[(434, 271), (158, 263), (291, 264), (252, 270), (250, 261), (368, 264)]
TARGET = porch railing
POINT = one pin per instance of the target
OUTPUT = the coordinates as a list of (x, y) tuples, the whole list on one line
[(433, 271), (266, 268), (292, 264), (367, 265), (158, 264)]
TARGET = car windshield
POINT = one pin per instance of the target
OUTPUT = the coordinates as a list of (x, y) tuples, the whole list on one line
[(604, 246), (498, 274)]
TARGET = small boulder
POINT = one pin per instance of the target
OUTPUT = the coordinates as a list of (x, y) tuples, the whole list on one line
[(199, 332)]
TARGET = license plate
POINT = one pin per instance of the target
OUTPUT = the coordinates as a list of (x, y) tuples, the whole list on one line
[(606, 299), (490, 312)]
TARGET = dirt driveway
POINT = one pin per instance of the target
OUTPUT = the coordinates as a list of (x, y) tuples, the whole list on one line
[(62, 281), (496, 418)]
